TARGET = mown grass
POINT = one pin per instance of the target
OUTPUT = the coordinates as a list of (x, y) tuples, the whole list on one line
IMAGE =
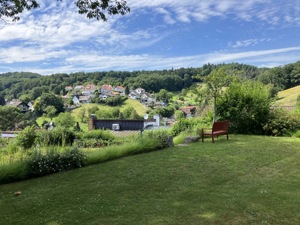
[(246, 180), (288, 97)]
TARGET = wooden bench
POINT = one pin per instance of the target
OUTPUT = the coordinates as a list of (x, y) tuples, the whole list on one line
[(218, 128)]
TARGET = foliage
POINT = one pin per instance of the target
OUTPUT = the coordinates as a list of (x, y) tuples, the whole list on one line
[(216, 81), (114, 101), (162, 137), (10, 117), (57, 136), (282, 122), (15, 84), (26, 138), (164, 95), (65, 120), (95, 138), (92, 9), (188, 124), (46, 100), (246, 105), (53, 161), (179, 115)]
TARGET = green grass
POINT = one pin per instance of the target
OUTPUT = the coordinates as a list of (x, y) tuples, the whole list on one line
[(246, 180), (288, 97)]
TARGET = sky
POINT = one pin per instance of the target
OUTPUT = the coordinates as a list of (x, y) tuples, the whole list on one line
[(156, 35)]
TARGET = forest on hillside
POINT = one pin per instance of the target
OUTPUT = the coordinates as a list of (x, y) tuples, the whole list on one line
[(29, 86)]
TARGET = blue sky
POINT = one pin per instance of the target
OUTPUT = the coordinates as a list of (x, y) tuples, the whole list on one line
[(157, 34)]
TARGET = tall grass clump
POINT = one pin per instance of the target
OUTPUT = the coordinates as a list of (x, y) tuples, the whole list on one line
[(95, 138), (190, 125), (14, 171), (57, 136), (150, 141)]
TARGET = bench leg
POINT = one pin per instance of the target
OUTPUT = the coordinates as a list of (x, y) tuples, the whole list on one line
[(202, 137), (212, 139)]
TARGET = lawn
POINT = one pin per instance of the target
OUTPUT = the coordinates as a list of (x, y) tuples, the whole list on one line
[(246, 180)]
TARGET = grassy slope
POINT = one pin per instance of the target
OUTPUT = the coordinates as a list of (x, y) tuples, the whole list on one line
[(246, 180), (288, 97)]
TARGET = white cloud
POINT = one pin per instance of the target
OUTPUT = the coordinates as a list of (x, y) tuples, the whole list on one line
[(248, 42)]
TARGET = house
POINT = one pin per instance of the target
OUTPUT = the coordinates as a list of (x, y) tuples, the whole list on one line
[(134, 95), (78, 87), (19, 104), (89, 89), (188, 111), (85, 99), (120, 89), (140, 91), (30, 105), (106, 89), (76, 100), (68, 88)]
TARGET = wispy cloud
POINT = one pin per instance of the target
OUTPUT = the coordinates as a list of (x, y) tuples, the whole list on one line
[(248, 42)]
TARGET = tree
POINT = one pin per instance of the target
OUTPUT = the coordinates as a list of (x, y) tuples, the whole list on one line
[(50, 111), (164, 95), (216, 81), (49, 99), (66, 120), (93, 9), (82, 114), (246, 105), (9, 117)]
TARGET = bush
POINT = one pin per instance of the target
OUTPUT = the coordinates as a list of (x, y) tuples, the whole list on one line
[(53, 161), (57, 136), (281, 122), (95, 138), (246, 105), (193, 125), (163, 138), (26, 138), (297, 134)]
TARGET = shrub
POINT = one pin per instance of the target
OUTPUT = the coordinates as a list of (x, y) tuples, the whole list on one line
[(297, 134), (95, 138), (57, 136), (53, 161), (163, 138), (281, 122), (193, 125), (246, 105), (26, 138)]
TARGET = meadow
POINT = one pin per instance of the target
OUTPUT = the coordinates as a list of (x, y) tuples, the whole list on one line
[(288, 97), (245, 180)]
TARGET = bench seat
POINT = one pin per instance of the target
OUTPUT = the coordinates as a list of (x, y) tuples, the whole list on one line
[(219, 128)]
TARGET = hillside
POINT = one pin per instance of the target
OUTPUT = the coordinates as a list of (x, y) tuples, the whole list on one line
[(288, 97)]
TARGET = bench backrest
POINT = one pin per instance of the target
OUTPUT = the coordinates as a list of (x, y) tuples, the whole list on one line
[(220, 125)]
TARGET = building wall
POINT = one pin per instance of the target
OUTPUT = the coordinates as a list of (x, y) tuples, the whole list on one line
[(107, 124)]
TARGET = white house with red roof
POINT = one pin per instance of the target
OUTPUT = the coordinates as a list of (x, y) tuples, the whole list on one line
[(120, 89), (88, 90), (106, 89)]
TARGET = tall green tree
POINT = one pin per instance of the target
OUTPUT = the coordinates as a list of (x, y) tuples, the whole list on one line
[(216, 81), (66, 120), (246, 105), (46, 100), (10, 117)]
